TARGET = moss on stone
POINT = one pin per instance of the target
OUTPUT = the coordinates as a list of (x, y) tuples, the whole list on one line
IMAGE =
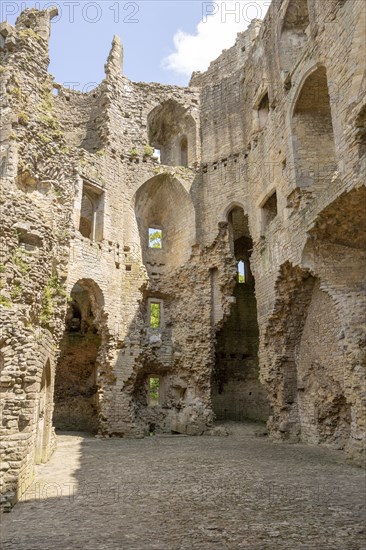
[(148, 151), (29, 33), (23, 119), (19, 260), (49, 121), (46, 306), (16, 92), (44, 139), (5, 302), (16, 291)]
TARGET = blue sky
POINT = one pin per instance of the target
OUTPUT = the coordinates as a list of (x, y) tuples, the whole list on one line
[(163, 40)]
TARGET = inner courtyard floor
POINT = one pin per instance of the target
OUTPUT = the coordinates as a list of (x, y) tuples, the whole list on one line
[(176, 493)]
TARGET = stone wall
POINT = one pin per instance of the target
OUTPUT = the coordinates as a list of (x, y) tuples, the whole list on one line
[(302, 144), (36, 207)]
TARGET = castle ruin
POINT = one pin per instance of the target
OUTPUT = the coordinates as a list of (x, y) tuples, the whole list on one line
[(172, 256)]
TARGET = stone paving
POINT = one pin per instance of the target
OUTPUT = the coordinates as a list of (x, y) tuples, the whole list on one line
[(177, 493)]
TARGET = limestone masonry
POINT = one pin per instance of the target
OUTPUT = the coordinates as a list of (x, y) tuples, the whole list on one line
[(172, 256)]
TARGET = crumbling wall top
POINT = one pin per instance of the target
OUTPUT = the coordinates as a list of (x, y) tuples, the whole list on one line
[(37, 21), (231, 59), (114, 65)]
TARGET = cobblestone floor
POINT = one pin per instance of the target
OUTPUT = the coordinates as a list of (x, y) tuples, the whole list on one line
[(240, 491)]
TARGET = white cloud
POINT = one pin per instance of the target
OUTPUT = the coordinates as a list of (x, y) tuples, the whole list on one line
[(221, 21)]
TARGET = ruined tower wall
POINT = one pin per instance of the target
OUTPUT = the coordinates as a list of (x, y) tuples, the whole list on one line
[(36, 211), (253, 145)]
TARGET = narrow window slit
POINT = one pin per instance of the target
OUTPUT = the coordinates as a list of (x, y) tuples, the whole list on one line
[(155, 315), (154, 391), (241, 272)]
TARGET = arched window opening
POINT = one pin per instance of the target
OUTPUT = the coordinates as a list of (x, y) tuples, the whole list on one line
[(165, 219), (294, 34), (184, 151), (313, 136), (91, 213), (240, 240)]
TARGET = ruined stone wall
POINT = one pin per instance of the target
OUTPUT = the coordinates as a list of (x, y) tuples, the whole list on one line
[(247, 122), (36, 208), (315, 95), (320, 368), (81, 117), (106, 134), (237, 393)]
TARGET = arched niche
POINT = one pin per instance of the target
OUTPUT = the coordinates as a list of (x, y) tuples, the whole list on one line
[(76, 382), (162, 204), (312, 132), (324, 413), (293, 34), (91, 212), (172, 130)]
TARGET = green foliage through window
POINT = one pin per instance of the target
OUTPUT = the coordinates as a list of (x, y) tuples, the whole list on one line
[(241, 272), (154, 386), (154, 315), (155, 238)]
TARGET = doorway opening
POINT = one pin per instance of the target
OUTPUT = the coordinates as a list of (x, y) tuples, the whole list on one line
[(76, 385), (237, 393)]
